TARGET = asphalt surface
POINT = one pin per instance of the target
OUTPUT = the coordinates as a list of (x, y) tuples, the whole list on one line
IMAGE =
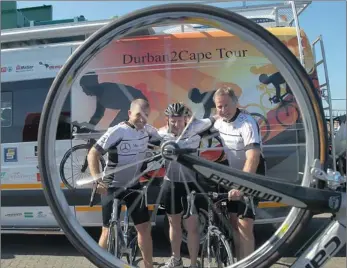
[(55, 251)]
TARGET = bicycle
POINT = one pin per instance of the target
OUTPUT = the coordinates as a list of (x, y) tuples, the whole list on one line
[(314, 195), (82, 132), (215, 239), (219, 236), (122, 237)]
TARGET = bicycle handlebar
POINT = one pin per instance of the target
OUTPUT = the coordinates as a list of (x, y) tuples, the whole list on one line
[(217, 197)]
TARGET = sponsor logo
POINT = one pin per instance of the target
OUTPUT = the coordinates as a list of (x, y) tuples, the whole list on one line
[(334, 202), (10, 154), (2, 174), (125, 147), (12, 215), (6, 69), (24, 68), (262, 20), (28, 215), (40, 214), (249, 191), (19, 176), (35, 151), (51, 66)]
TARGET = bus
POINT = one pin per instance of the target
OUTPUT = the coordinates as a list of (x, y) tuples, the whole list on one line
[(198, 61)]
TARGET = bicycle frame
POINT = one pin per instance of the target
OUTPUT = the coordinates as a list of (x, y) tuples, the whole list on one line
[(119, 234), (326, 245)]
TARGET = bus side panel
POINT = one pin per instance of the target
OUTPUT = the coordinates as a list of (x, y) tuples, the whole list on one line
[(26, 80), (184, 66)]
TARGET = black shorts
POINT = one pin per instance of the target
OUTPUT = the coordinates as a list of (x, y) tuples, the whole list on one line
[(239, 207), (139, 214), (175, 196)]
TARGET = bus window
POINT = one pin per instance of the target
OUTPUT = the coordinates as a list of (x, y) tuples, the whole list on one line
[(6, 109), (28, 98)]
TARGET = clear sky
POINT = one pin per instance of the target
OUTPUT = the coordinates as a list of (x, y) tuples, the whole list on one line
[(326, 18)]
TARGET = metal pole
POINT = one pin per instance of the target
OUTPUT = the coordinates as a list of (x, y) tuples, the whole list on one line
[(329, 100), (297, 27)]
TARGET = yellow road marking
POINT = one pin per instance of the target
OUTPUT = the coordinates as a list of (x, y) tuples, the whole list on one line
[(24, 186)]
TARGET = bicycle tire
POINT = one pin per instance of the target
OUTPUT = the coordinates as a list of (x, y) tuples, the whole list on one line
[(218, 237), (111, 240), (134, 246), (286, 108), (67, 155), (273, 48), (266, 122)]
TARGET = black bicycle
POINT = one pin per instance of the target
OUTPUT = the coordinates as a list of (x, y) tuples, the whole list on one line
[(217, 246), (122, 236)]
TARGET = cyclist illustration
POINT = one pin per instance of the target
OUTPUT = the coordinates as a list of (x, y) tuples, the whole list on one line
[(113, 96), (206, 98), (276, 80)]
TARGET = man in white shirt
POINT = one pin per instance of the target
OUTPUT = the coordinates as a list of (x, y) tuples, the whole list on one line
[(125, 143), (180, 180), (242, 144)]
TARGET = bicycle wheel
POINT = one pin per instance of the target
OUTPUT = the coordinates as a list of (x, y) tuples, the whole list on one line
[(134, 250), (113, 242), (80, 166), (216, 253), (264, 126), (287, 115), (246, 30)]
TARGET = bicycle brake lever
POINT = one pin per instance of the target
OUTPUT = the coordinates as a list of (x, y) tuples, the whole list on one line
[(248, 202), (92, 197), (146, 197), (190, 204)]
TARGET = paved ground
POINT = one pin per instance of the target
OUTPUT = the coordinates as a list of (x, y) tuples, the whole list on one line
[(29, 251)]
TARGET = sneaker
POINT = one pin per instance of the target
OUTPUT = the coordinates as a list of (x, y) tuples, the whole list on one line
[(174, 263)]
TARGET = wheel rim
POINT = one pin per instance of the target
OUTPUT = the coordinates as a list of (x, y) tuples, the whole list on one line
[(72, 69)]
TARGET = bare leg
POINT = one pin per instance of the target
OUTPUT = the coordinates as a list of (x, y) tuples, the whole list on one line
[(247, 244), (175, 234), (103, 237), (145, 243), (236, 235), (192, 227)]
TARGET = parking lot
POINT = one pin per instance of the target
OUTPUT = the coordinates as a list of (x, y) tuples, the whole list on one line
[(55, 251)]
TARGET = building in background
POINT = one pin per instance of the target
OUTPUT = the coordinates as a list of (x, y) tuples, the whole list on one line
[(12, 17)]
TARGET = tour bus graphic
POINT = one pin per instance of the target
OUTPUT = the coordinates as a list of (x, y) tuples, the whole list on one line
[(166, 68)]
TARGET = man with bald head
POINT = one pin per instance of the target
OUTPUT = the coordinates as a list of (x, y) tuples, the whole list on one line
[(126, 143)]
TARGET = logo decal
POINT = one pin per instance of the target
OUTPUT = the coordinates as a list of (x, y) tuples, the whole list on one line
[(125, 147), (334, 202), (10, 155)]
